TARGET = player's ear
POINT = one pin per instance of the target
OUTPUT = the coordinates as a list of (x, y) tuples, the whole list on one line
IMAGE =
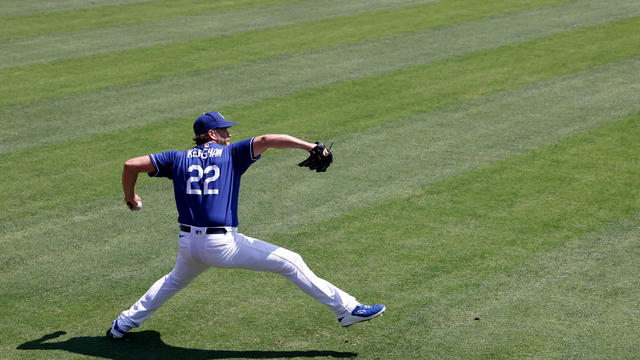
[(212, 134)]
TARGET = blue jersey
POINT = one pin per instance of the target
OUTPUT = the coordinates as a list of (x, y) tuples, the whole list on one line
[(206, 181)]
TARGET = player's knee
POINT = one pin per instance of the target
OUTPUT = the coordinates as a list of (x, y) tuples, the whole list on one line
[(294, 262), (295, 258)]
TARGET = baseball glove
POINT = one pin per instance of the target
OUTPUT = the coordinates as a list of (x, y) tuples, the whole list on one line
[(317, 160)]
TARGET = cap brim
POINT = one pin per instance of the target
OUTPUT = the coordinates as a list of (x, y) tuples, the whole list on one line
[(228, 124)]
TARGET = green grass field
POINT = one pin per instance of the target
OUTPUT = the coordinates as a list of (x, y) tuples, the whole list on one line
[(484, 186)]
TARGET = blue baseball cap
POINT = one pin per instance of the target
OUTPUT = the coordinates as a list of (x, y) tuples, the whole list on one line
[(210, 120)]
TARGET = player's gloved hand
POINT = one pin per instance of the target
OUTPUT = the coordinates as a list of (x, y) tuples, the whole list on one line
[(319, 158)]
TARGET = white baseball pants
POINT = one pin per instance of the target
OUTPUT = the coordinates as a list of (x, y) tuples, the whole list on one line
[(200, 251)]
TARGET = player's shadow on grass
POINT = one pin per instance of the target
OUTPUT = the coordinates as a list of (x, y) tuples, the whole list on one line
[(148, 345)]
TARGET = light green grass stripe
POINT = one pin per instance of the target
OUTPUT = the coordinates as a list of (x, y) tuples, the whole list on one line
[(12, 8), (77, 44), (411, 153), (51, 80), (180, 97), (65, 21)]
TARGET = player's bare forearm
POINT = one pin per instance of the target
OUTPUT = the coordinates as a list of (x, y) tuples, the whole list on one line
[(132, 168), (281, 141)]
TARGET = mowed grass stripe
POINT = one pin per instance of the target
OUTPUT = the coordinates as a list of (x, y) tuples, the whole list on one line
[(11, 8), (75, 44), (364, 104), (40, 81), (177, 97), (51, 22), (440, 254)]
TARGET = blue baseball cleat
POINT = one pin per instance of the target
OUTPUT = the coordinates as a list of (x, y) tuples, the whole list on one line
[(362, 313)]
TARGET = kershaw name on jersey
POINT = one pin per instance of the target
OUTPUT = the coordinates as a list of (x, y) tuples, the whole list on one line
[(204, 153)]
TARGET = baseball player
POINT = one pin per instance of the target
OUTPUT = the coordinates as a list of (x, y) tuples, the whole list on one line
[(206, 181)]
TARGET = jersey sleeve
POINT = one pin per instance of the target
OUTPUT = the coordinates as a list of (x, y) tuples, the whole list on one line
[(243, 156), (163, 163)]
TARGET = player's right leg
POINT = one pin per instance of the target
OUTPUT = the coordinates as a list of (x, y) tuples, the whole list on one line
[(185, 270)]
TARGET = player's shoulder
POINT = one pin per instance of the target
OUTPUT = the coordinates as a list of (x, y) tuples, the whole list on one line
[(164, 156), (244, 150), (243, 143)]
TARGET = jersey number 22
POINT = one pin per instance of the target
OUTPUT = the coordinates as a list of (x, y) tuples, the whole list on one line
[(191, 190)]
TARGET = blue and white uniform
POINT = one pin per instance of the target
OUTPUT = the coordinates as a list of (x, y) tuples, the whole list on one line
[(206, 182)]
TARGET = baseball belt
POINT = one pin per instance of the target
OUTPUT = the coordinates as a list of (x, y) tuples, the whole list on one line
[(211, 230)]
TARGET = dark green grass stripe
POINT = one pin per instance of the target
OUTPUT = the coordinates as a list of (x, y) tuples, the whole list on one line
[(72, 20), (41, 81)]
